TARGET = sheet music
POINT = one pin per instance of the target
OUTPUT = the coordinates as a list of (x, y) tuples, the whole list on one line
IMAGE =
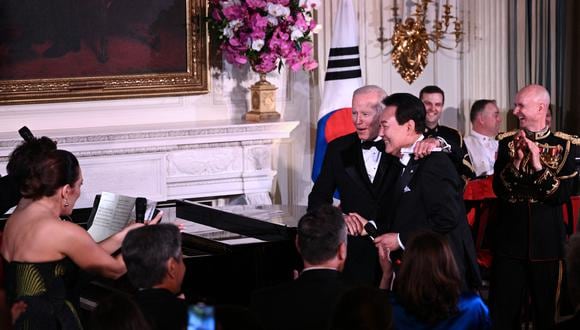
[(113, 214)]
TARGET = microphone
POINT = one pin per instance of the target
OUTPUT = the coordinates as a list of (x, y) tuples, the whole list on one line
[(140, 208), (371, 230), (26, 134)]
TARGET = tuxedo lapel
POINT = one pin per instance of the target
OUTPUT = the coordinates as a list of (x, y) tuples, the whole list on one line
[(354, 166), (403, 183), (408, 174)]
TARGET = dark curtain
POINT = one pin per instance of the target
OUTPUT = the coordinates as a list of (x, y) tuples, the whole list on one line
[(571, 111), (544, 45)]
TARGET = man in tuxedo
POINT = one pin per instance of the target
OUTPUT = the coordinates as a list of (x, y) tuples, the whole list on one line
[(155, 267), (309, 301), (355, 166), (425, 193), (433, 98)]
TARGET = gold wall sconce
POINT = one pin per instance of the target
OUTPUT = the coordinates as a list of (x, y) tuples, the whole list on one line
[(411, 40)]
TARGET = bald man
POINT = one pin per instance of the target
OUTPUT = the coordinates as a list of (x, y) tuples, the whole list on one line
[(534, 175)]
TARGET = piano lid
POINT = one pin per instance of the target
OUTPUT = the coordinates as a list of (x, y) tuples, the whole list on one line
[(263, 222)]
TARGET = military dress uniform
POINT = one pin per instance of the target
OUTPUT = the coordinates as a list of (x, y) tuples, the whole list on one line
[(529, 237), (458, 151)]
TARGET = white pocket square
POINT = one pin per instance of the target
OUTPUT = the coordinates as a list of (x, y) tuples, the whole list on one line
[(406, 189)]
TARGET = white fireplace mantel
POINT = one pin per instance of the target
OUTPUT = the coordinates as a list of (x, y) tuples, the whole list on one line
[(170, 161)]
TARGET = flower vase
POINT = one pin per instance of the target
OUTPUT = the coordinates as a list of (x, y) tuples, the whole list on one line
[(263, 101)]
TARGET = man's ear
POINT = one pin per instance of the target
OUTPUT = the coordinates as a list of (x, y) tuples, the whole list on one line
[(342, 251), (171, 267), (410, 125)]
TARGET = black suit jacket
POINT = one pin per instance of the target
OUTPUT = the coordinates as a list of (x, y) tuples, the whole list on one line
[(306, 303), (459, 154), (162, 309), (429, 196), (9, 193), (343, 170)]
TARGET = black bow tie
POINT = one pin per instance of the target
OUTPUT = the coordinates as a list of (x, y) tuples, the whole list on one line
[(380, 145)]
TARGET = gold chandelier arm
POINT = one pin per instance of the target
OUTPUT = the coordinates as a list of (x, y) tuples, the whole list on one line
[(411, 40)]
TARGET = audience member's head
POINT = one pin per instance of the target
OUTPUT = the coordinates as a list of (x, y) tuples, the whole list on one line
[(402, 121), (434, 98), (428, 284), (118, 312), (573, 267), (153, 257), (321, 238), (485, 118), (363, 308), (366, 109), (531, 106)]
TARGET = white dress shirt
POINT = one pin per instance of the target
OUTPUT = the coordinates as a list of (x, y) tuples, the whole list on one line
[(372, 159), (482, 151)]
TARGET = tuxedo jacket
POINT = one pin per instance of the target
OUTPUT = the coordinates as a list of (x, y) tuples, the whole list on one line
[(459, 153), (344, 170), (162, 309), (428, 196), (305, 303)]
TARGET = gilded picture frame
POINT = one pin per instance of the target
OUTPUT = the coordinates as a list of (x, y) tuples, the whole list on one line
[(158, 49)]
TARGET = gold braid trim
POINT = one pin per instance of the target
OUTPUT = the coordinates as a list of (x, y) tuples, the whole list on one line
[(503, 135), (564, 177), (468, 163), (572, 138), (565, 157)]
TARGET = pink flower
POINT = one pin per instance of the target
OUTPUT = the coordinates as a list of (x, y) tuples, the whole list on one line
[(265, 33), (281, 2), (234, 12), (216, 14), (267, 63), (301, 22), (256, 3), (310, 65), (258, 24)]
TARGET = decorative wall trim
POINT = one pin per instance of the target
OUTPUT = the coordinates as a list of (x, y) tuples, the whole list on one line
[(186, 160)]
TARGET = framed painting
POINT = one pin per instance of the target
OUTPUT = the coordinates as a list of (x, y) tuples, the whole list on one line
[(72, 50)]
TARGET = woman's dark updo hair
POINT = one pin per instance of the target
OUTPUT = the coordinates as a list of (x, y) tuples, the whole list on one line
[(27, 154), (41, 169)]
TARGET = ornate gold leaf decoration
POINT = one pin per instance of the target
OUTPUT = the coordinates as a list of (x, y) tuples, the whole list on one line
[(410, 49)]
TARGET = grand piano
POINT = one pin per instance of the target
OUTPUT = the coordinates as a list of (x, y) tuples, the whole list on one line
[(228, 251)]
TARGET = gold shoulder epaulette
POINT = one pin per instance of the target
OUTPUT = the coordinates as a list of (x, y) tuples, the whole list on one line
[(503, 135), (572, 138)]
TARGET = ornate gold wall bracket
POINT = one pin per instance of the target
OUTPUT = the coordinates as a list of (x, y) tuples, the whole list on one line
[(411, 40)]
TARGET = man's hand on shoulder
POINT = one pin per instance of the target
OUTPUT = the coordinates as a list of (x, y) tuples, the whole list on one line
[(425, 147)]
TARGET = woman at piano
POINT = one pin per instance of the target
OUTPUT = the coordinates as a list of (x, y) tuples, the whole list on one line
[(42, 254)]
